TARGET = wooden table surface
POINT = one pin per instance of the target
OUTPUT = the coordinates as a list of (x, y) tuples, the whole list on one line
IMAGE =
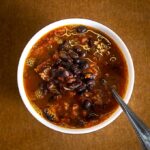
[(20, 20)]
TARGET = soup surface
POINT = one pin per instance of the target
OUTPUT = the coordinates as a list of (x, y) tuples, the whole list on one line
[(68, 74)]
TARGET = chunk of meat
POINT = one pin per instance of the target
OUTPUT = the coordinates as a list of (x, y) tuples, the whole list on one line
[(45, 74), (43, 65)]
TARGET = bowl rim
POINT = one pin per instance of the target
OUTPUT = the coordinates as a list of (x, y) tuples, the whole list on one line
[(77, 21)]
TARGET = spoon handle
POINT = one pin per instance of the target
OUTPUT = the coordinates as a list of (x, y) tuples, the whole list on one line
[(141, 129)]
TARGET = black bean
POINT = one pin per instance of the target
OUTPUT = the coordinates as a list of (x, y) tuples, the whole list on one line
[(87, 104), (90, 42), (53, 72), (90, 84), (81, 29), (64, 46), (92, 116), (48, 115), (77, 61), (43, 88), (57, 63), (82, 53), (84, 64), (67, 45), (63, 55), (81, 89), (70, 61), (75, 69), (61, 47), (77, 49), (56, 82), (75, 85), (66, 65), (61, 72), (50, 86), (73, 54)]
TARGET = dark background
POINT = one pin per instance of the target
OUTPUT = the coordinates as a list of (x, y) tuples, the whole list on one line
[(20, 20)]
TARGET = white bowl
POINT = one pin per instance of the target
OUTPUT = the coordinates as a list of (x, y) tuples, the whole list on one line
[(86, 22)]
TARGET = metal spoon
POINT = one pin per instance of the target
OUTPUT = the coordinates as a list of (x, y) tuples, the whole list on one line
[(143, 132)]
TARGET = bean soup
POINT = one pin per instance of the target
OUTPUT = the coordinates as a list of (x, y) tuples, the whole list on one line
[(65, 74)]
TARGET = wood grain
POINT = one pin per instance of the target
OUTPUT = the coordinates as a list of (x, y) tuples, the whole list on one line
[(20, 20)]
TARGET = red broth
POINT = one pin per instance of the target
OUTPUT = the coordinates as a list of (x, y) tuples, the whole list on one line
[(68, 74)]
